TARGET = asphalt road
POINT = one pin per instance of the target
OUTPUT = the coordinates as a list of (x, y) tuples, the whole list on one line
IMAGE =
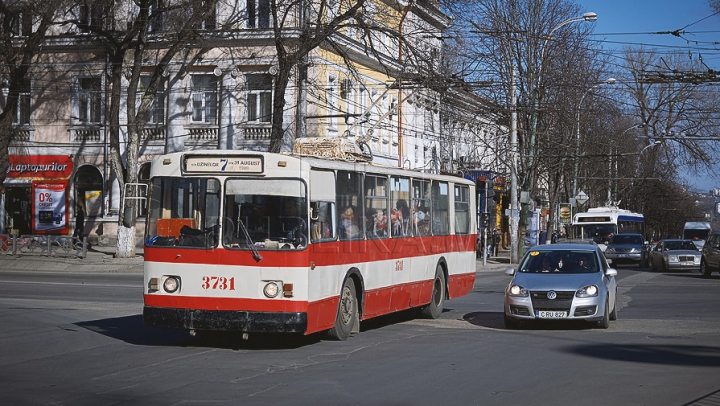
[(78, 339)]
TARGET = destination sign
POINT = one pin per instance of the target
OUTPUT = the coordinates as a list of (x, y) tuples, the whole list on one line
[(223, 164), (593, 219)]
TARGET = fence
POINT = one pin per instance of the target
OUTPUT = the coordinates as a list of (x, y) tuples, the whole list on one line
[(43, 245)]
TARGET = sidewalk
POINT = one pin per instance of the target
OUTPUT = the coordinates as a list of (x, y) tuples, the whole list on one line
[(99, 260)]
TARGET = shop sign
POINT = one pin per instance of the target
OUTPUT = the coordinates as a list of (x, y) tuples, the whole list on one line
[(39, 167), (49, 207)]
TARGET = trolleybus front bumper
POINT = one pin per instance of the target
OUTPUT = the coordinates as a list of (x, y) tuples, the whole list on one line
[(224, 320)]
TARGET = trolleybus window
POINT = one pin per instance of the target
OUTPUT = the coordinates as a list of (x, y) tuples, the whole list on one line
[(376, 221), (440, 206), (421, 207), (348, 189), (265, 214), (184, 212), (462, 210), (400, 212)]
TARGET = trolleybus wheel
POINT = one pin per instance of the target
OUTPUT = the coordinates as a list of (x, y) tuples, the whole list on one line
[(435, 308), (347, 313)]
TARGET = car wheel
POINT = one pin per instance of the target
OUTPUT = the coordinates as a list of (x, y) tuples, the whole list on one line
[(613, 313), (705, 269), (511, 324), (605, 322), (664, 266), (347, 313), (652, 266), (435, 308)]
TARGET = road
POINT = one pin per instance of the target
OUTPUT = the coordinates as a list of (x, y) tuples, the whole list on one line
[(78, 339)]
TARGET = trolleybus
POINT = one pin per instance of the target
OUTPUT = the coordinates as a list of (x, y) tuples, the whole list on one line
[(260, 242), (601, 223)]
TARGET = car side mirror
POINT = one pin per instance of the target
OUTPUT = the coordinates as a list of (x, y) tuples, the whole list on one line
[(510, 271), (611, 272)]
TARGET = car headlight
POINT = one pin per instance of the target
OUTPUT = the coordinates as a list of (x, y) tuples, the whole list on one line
[(672, 258), (518, 291), (610, 250), (635, 250), (697, 260), (587, 291)]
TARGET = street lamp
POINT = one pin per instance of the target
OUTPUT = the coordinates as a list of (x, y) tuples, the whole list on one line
[(608, 81), (589, 16)]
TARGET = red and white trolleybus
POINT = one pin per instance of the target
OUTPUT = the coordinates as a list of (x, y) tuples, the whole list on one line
[(261, 242)]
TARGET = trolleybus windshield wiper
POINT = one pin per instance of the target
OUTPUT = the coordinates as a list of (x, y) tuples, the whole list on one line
[(251, 244)]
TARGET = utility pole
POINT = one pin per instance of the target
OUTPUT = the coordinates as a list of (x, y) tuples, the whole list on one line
[(514, 214)]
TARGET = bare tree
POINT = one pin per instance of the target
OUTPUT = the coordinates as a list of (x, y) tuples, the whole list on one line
[(23, 29), (131, 50), (678, 108)]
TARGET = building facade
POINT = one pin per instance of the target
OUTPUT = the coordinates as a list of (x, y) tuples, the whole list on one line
[(218, 93)]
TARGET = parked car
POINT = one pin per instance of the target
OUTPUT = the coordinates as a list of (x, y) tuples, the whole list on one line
[(675, 255), (627, 248), (710, 257), (561, 282)]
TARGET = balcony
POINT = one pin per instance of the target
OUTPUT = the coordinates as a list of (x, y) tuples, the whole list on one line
[(254, 137), (86, 135), (154, 134), (205, 136)]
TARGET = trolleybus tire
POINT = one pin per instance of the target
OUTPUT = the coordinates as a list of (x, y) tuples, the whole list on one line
[(434, 309), (347, 313)]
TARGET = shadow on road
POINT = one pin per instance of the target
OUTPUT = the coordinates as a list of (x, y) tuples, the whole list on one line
[(132, 330), (681, 355)]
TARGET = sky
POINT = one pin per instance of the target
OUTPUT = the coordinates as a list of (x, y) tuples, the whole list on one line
[(623, 23)]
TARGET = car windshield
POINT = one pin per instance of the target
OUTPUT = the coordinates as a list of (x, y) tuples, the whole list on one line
[(679, 245), (626, 239), (560, 262)]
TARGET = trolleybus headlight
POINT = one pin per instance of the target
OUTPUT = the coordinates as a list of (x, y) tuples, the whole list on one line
[(271, 290), (171, 284)]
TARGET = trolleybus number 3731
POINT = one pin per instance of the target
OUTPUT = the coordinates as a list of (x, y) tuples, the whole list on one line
[(218, 282)]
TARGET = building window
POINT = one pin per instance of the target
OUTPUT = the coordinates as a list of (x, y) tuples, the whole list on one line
[(20, 23), (157, 16), (24, 106), (332, 100), (90, 15), (88, 100), (156, 112), (258, 13), (259, 98), (204, 98), (208, 21)]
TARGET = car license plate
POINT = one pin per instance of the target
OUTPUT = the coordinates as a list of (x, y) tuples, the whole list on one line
[(623, 255), (688, 263), (551, 315)]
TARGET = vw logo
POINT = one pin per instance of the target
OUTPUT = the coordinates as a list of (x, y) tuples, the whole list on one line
[(551, 295)]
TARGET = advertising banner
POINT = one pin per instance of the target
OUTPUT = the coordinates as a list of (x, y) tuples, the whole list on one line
[(565, 213), (50, 207), (39, 167)]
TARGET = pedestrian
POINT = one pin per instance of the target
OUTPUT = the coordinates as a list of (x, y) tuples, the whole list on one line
[(496, 242), (79, 222)]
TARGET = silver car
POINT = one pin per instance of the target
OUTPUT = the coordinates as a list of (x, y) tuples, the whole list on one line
[(561, 282), (675, 255)]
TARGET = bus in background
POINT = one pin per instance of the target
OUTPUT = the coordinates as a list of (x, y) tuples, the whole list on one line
[(697, 231), (270, 243), (599, 224)]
